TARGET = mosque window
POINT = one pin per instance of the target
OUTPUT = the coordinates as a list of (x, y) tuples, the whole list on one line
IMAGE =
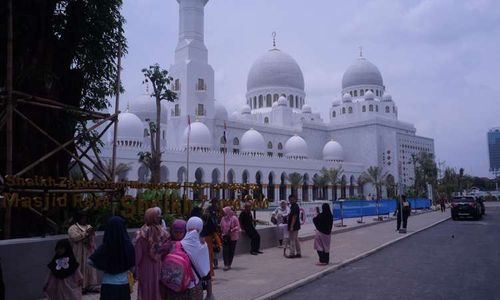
[(200, 86), (334, 114), (177, 110), (269, 101), (343, 110), (370, 108), (376, 108), (387, 109), (275, 97), (177, 85), (355, 93), (350, 109), (200, 110), (266, 120), (394, 109), (254, 102), (364, 108), (261, 101), (280, 146), (163, 134), (280, 154), (269, 145), (222, 140), (351, 93), (290, 100), (371, 90), (270, 154), (236, 151), (361, 92), (297, 102), (236, 142)]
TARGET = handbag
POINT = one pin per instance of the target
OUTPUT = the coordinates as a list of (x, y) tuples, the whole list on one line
[(131, 281)]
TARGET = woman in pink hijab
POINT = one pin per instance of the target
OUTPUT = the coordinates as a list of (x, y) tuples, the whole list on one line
[(148, 245), (230, 227)]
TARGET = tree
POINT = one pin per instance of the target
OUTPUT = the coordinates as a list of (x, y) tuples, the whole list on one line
[(376, 177), (426, 172), (63, 50), (320, 182), (333, 176), (295, 180), (161, 91)]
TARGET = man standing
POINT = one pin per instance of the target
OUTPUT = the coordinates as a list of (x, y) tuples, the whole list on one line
[(294, 227), (402, 213), (247, 224)]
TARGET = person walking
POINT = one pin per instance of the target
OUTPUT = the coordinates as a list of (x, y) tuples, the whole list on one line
[(115, 257), (402, 213), (82, 239), (280, 217), (65, 279), (148, 243), (442, 202), (247, 224), (324, 224), (197, 250), (230, 229), (294, 227)]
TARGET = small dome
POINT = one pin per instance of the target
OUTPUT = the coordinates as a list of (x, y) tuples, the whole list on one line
[(306, 109), (199, 137), (236, 114), (387, 97), (333, 151), (362, 72), (369, 95), (130, 126), (275, 69), (144, 107), (275, 103), (220, 112), (347, 97), (282, 101), (245, 109), (252, 142), (296, 147)]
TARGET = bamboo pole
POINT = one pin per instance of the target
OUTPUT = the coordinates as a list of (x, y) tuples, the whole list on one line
[(117, 104)]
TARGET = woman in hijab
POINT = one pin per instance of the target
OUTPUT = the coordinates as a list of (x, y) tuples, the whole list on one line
[(280, 216), (178, 230), (323, 223), (197, 251), (65, 279), (148, 250), (115, 257), (230, 227)]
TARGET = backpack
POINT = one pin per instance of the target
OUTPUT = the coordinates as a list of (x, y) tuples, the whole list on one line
[(176, 273)]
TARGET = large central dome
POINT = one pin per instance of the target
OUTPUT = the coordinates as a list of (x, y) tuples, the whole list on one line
[(275, 69), (362, 72)]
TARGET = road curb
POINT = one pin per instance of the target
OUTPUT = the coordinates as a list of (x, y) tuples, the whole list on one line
[(287, 288)]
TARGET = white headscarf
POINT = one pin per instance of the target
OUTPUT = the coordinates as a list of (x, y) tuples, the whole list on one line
[(197, 252)]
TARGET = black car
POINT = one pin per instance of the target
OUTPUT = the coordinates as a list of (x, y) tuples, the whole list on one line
[(466, 206)]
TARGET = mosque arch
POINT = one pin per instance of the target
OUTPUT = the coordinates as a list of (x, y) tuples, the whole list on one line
[(355, 93), (254, 102), (387, 109), (334, 114), (215, 193), (236, 142), (343, 187), (276, 97), (376, 108), (290, 100), (269, 100), (350, 109), (258, 180), (352, 182), (370, 108), (244, 176), (305, 187), (283, 186), (270, 186), (269, 145), (230, 179), (297, 102), (199, 174), (163, 174), (266, 120), (181, 175), (343, 110), (364, 108)]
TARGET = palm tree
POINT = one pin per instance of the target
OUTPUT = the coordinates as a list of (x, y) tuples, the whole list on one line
[(295, 180), (333, 176), (320, 182), (376, 177), (121, 169)]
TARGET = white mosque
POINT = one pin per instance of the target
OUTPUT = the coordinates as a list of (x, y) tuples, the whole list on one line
[(275, 132)]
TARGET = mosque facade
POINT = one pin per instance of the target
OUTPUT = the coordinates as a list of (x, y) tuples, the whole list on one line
[(275, 133)]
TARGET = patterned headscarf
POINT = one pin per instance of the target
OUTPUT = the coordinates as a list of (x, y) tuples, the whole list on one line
[(152, 232), (65, 264)]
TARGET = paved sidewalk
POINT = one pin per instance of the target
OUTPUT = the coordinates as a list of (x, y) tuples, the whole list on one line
[(256, 276)]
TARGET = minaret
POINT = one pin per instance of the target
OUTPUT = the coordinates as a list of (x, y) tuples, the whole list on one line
[(193, 76)]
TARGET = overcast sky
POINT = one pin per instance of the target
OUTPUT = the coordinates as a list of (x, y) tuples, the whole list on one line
[(440, 59)]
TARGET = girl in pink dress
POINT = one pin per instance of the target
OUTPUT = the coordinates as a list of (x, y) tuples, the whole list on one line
[(65, 279)]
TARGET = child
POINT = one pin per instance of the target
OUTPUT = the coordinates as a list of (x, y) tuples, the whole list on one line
[(65, 279)]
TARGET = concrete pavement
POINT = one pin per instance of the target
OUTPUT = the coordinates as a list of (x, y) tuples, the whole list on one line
[(269, 275)]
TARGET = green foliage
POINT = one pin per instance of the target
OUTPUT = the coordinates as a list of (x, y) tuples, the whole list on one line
[(332, 175), (161, 83), (295, 179), (425, 172), (376, 177)]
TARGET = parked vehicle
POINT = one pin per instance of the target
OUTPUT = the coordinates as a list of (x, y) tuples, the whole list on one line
[(465, 206)]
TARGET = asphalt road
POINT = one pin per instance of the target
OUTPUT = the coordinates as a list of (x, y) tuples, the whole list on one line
[(453, 260)]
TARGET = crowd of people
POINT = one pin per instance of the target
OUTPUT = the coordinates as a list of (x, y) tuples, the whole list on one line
[(174, 262)]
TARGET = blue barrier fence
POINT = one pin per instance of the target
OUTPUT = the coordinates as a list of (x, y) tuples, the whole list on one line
[(358, 208)]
